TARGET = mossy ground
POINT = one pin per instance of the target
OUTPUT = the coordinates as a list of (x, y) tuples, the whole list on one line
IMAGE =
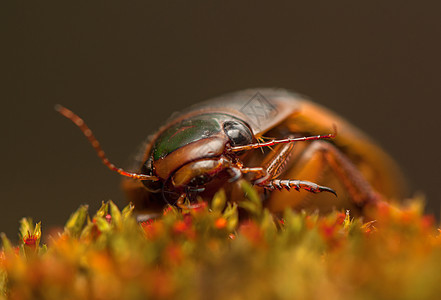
[(206, 253)]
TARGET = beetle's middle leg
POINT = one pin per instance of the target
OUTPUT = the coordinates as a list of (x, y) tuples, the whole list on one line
[(357, 186)]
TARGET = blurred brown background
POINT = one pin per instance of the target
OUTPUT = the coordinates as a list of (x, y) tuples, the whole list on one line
[(125, 66)]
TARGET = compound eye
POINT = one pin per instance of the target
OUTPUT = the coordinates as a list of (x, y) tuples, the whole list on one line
[(238, 133)]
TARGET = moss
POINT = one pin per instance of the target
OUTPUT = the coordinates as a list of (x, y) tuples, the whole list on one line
[(205, 252)]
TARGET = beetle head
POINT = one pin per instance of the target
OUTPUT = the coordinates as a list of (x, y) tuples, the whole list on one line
[(190, 154)]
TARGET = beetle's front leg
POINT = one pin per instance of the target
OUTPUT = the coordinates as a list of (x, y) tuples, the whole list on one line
[(276, 163), (288, 184), (263, 180)]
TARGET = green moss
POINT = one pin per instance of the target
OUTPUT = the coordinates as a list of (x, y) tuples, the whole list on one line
[(205, 252)]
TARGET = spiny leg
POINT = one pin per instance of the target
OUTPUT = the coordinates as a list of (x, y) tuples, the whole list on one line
[(277, 162), (288, 184)]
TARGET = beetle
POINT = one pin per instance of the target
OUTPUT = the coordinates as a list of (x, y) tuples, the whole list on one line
[(276, 139)]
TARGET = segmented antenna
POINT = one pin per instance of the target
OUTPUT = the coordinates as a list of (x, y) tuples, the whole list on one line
[(96, 145)]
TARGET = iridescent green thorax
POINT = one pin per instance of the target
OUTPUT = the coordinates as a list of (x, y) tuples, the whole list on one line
[(188, 131)]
